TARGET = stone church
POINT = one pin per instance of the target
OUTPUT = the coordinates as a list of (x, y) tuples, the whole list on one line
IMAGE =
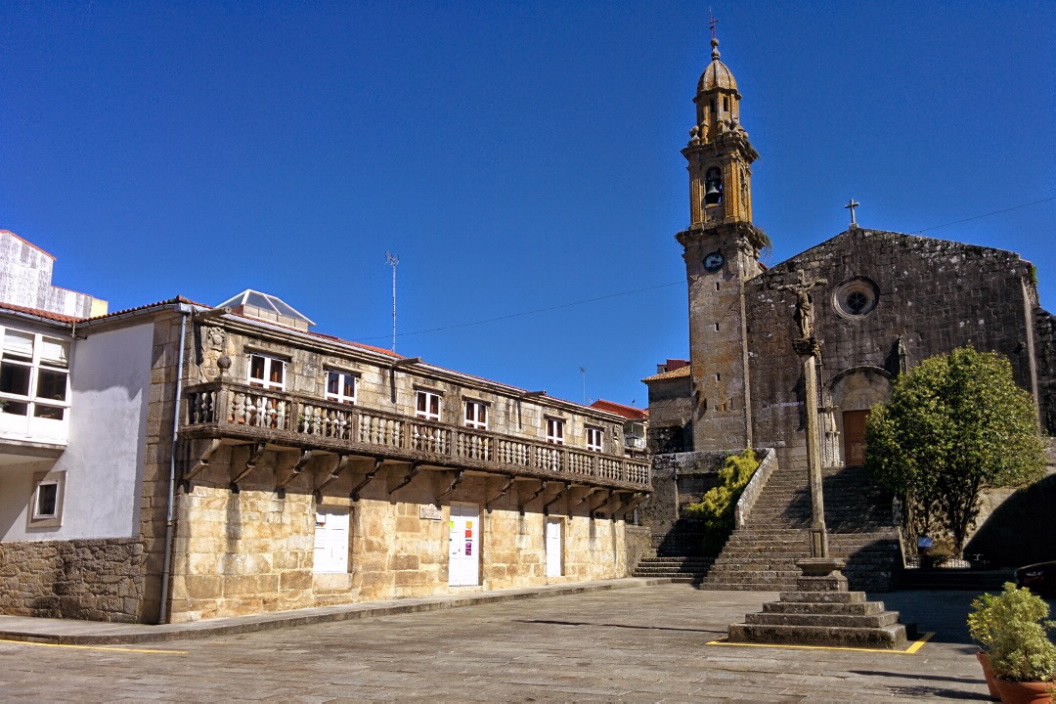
[(877, 302)]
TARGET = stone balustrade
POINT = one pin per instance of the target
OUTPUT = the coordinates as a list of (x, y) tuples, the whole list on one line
[(243, 413)]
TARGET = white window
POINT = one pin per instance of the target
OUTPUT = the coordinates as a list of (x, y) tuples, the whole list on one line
[(267, 372), (555, 431), (341, 386), (477, 415), (34, 375), (594, 436), (48, 490), (428, 405)]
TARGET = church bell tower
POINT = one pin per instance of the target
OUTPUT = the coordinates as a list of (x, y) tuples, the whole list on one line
[(721, 250)]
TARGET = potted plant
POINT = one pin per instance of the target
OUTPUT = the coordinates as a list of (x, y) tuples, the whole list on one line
[(1012, 627), (981, 625)]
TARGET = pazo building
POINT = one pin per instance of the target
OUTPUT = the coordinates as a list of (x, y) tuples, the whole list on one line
[(177, 462)]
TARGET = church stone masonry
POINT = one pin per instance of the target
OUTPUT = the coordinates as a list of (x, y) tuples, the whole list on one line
[(879, 304), (892, 301)]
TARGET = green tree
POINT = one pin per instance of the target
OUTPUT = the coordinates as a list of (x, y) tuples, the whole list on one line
[(954, 425)]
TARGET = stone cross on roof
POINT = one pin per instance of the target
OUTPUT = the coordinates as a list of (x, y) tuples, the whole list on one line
[(851, 205)]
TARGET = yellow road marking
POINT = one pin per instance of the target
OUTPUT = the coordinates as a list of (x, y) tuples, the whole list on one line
[(913, 649), (95, 647)]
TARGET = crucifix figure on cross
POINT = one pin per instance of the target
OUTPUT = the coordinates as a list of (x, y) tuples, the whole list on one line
[(804, 315), (851, 205)]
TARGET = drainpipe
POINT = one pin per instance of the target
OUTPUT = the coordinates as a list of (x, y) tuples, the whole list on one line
[(170, 513)]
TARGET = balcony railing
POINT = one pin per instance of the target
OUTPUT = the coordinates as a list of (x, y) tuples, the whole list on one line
[(229, 410)]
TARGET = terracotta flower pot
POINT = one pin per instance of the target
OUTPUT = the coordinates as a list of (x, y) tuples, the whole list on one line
[(1025, 692), (991, 681)]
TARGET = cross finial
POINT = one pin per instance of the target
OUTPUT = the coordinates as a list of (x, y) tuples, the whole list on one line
[(713, 22), (851, 205)]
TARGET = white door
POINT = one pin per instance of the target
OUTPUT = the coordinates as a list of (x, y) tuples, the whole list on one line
[(331, 540), (554, 546), (464, 550)]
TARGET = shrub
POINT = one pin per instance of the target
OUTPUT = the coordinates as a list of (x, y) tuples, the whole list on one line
[(1012, 627), (716, 508)]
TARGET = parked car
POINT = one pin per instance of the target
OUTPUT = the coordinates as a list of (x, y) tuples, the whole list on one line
[(1040, 578)]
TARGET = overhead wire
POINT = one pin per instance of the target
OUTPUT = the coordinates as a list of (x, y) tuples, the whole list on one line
[(618, 294), (986, 215)]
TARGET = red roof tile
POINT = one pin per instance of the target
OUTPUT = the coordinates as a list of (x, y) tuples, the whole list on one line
[(40, 313), (620, 409)]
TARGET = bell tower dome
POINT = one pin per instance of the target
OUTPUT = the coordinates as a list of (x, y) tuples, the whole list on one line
[(721, 251), (719, 153)]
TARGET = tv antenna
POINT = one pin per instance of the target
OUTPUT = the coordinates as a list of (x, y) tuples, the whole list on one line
[(393, 260)]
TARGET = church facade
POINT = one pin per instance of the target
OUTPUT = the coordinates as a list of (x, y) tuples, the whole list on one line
[(878, 302)]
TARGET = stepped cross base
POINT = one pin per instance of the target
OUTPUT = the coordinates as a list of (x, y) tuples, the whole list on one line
[(822, 611)]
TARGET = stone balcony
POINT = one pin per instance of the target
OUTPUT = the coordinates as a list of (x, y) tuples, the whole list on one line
[(237, 413)]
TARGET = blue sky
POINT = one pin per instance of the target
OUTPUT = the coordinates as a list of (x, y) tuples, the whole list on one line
[(521, 158)]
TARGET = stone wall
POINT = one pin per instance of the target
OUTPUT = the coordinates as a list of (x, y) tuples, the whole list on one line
[(98, 580), (670, 415), (768, 464), (639, 544), (157, 457), (252, 551), (1045, 325), (678, 479)]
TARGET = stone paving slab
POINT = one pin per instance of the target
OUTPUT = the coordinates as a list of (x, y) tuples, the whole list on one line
[(78, 632), (635, 644)]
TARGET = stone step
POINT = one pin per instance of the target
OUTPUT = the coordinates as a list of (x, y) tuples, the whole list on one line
[(677, 569), (649, 571), (673, 560), (726, 567), (742, 586), (879, 620), (848, 597), (888, 637), (862, 608)]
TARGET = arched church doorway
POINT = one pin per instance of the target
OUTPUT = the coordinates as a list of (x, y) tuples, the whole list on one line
[(851, 395)]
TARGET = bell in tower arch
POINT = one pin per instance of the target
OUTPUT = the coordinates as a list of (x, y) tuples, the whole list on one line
[(712, 187)]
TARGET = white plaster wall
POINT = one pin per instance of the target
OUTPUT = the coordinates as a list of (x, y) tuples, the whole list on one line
[(110, 380)]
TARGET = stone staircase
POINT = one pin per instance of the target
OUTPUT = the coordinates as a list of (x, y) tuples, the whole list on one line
[(762, 554), (690, 570)]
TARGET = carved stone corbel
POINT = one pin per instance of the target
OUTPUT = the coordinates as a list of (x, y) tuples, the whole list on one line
[(367, 478), (535, 495), (342, 463), (502, 492), (280, 487), (255, 454), (459, 476), (604, 502), (559, 495), (202, 463), (411, 474)]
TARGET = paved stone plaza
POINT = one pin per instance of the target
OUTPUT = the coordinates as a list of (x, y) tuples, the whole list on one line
[(634, 644)]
